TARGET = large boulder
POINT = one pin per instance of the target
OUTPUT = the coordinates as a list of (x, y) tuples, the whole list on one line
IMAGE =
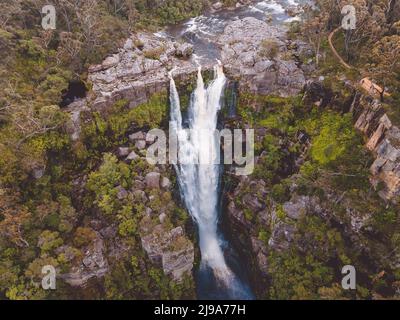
[(92, 265), (170, 250), (256, 53), (153, 180), (139, 70), (383, 139)]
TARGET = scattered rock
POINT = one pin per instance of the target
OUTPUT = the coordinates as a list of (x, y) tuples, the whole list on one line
[(243, 57), (162, 217), (132, 156), (92, 265), (137, 136), (170, 250), (123, 152), (153, 180), (140, 144), (122, 193), (165, 183), (184, 50)]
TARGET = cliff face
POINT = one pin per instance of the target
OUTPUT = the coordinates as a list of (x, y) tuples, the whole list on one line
[(139, 70), (262, 58), (274, 225), (383, 139), (265, 63), (257, 54)]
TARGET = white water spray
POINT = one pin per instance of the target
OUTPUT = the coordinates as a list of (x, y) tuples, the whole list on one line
[(199, 182)]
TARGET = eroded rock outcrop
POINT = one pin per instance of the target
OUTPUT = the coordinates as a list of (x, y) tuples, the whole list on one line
[(92, 265), (383, 141), (257, 54), (139, 70), (170, 250)]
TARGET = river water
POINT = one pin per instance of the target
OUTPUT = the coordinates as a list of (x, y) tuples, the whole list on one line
[(199, 181), (202, 30)]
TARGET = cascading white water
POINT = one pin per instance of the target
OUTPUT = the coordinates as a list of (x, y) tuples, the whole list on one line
[(198, 178), (197, 175)]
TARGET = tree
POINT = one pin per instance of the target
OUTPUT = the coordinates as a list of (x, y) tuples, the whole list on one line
[(9, 9), (369, 26), (384, 66), (313, 29), (12, 219), (104, 183)]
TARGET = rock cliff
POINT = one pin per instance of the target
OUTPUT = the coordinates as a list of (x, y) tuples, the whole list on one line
[(258, 54), (383, 139)]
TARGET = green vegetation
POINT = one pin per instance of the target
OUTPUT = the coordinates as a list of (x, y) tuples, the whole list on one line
[(335, 170), (52, 188)]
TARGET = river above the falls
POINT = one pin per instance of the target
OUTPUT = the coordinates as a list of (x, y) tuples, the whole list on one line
[(201, 31)]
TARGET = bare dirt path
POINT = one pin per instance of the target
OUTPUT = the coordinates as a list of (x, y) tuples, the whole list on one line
[(330, 37)]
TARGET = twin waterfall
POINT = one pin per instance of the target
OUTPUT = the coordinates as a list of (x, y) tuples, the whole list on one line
[(199, 178)]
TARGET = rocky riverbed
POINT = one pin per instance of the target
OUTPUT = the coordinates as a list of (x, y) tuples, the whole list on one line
[(263, 61)]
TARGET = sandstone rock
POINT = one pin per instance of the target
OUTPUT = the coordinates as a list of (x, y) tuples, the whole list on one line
[(123, 152), (153, 180), (383, 141), (184, 50), (139, 70), (137, 136), (242, 58), (93, 264), (132, 156), (162, 217), (170, 250), (165, 183), (140, 144), (110, 61), (122, 193)]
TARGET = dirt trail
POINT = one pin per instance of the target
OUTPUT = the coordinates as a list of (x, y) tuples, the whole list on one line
[(347, 66)]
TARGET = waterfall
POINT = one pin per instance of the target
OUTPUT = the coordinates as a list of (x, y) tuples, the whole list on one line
[(199, 177)]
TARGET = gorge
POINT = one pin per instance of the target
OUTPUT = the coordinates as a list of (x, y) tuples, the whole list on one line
[(199, 181), (243, 43), (77, 114)]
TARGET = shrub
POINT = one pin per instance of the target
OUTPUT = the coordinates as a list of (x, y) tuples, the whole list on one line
[(84, 236)]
